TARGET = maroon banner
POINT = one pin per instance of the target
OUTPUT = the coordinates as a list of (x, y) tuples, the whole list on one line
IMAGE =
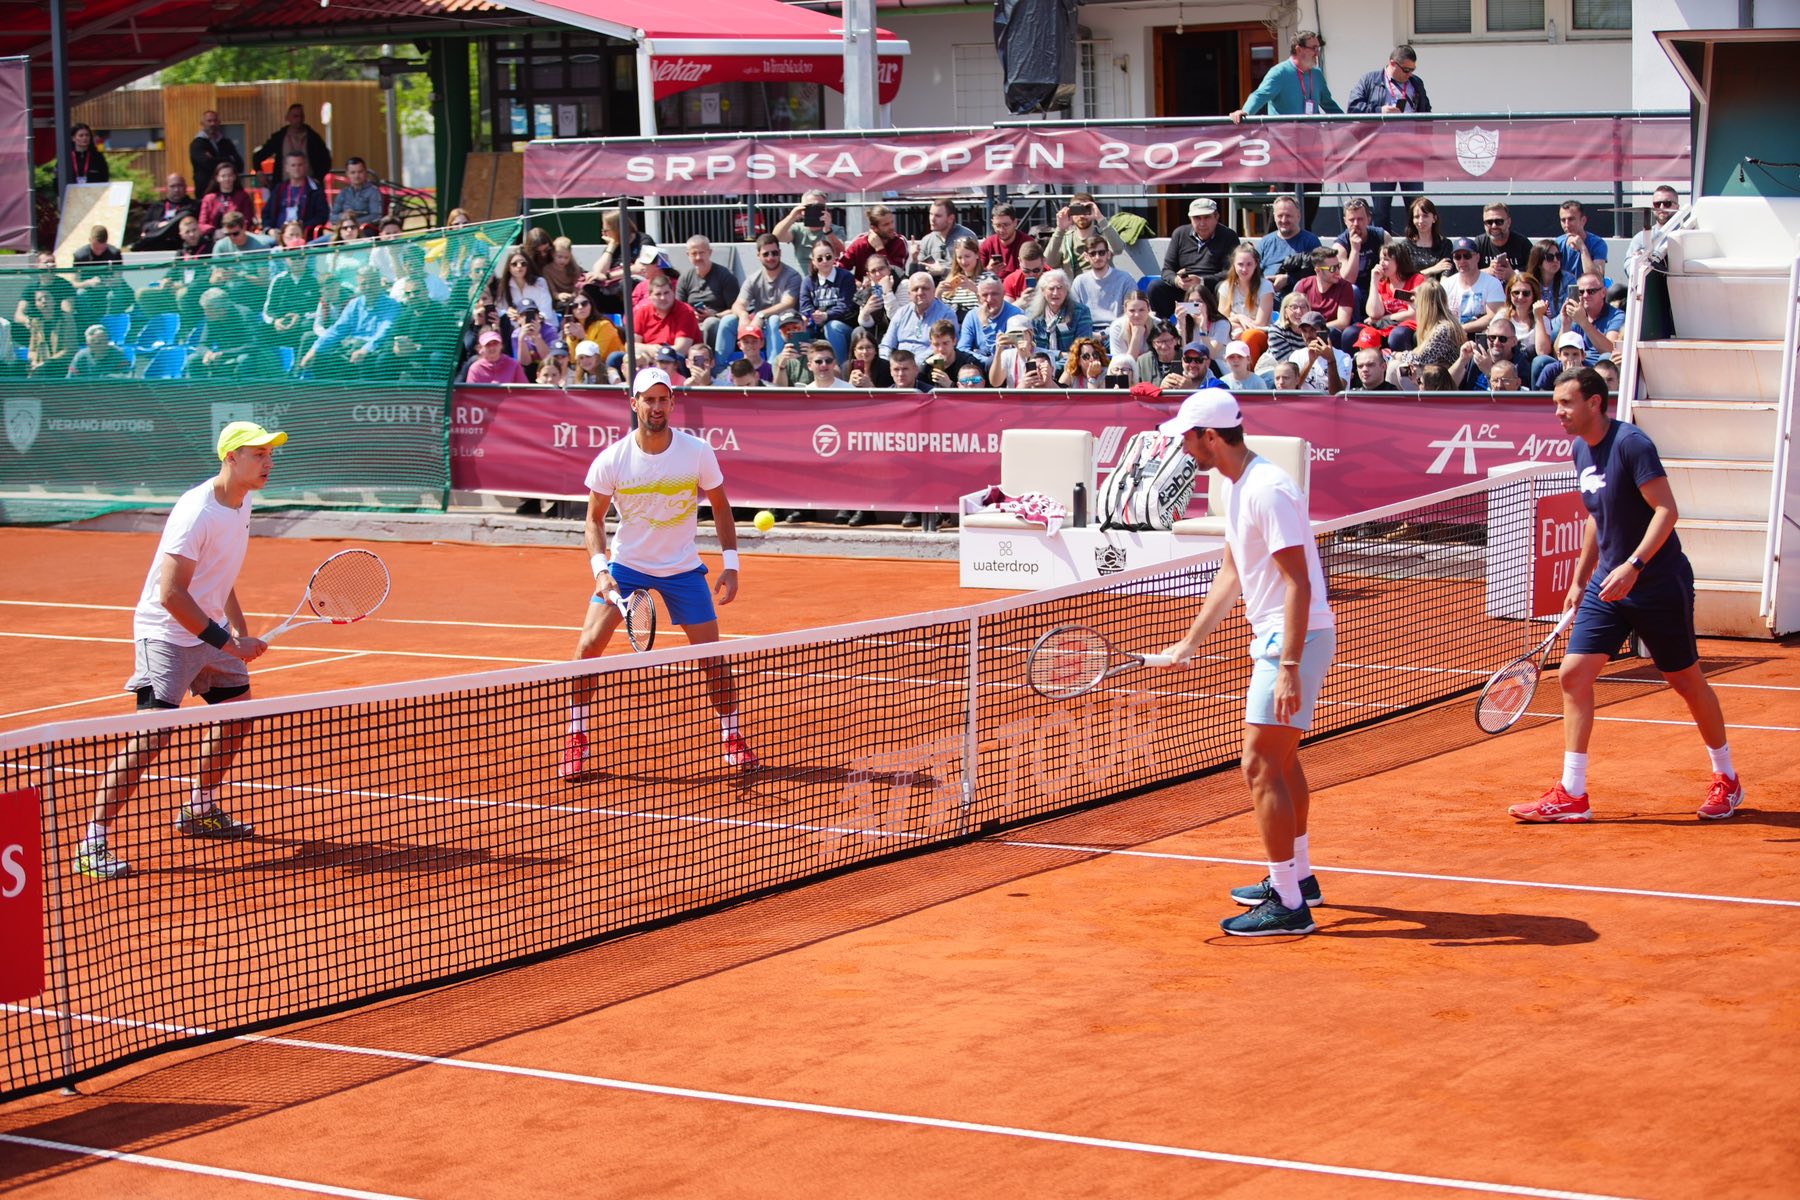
[(678, 73), (906, 452), (15, 154), (1596, 150), (1557, 530), (21, 896)]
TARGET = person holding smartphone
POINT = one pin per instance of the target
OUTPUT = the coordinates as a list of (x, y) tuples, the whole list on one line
[(806, 225), (1012, 354)]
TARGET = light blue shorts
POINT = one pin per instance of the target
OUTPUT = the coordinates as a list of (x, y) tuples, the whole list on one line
[(686, 595), (1315, 660)]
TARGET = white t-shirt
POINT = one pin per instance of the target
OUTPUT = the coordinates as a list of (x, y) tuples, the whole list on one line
[(1265, 512), (215, 538), (1471, 300), (658, 497), (1319, 378)]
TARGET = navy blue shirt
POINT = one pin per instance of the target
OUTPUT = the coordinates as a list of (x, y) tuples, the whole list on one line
[(1611, 475)]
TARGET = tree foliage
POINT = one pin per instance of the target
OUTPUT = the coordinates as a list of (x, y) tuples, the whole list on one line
[(248, 64)]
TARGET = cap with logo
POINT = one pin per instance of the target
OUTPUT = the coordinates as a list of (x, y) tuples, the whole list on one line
[(1208, 408), (1462, 245), (648, 378), (239, 434), (750, 333)]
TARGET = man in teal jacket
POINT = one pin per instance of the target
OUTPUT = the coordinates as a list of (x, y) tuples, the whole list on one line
[(1294, 88)]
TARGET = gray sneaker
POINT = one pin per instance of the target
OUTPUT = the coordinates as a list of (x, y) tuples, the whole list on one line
[(1256, 893), (1269, 919), (215, 824), (93, 859)]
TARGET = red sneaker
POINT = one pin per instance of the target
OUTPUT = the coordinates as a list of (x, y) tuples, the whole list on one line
[(1553, 806), (738, 752), (574, 763), (1722, 798)]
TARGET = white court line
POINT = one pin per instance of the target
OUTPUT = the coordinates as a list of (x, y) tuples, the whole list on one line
[(69, 637), (1668, 721), (171, 1164), (1477, 879), (113, 697), (864, 1114)]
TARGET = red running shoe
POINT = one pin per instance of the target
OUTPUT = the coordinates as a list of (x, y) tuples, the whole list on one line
[(1553, 806), (1722, 798), (738, 752), (574, 763)]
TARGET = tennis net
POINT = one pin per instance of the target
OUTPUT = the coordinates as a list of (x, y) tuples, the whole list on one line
[(414, 835)]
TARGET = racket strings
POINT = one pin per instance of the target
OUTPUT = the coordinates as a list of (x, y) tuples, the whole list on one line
[(640, 619), (348, 586), (1508, 695), (1069, 662)]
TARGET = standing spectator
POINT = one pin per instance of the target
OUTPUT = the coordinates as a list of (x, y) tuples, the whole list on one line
[(492, 364), (99, 293), (86, 163), (867, 370), (880, 239), (99, 249), (296, 137), (933, 253), (1198, 251), (1498, 237), (1473, 295), (298, 197), (825, 298), (941, 366), (1000, 249), (1329, 294), (1371, 373), (1294, 88), (99, 358), (1246, 300), (226, 194), (211, 147), (1426, 242), (770, 294), (162, 224), (1057, 318), (360, 197), (958, 286), (664, 323), (1282, 246), (1665, 201), (1102, 287), (1129, 335), (1546, 266), (707, 288), (1078, 225), (1360, 242), (1390, 308), (807, 224), (1395, 88), (880, 294), (910, 327), (1031, 269), (982, 327), (1583, 253)]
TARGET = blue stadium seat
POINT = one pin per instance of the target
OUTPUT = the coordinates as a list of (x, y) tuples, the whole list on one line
[(116, 325), (158, 331), (169, 363), (286, 354)]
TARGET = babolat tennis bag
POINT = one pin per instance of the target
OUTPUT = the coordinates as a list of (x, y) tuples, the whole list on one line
[(1151, 486)]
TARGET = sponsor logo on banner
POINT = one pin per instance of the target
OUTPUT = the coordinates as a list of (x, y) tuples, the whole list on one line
[(21, 896), (680, 70), (398, 414), (1556, 534), (224, 412), (826, 441), (1477, 148), (1467, 439), (1109, 560), (23, 420)]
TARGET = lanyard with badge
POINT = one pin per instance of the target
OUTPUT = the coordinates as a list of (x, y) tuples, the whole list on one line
[(1306, 94)]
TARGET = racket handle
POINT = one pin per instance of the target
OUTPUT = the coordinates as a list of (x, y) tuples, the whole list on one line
[(1158, 660)]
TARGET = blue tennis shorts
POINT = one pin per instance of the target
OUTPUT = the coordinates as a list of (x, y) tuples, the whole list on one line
[(1315, 660), (686, 595), (1662, 616)]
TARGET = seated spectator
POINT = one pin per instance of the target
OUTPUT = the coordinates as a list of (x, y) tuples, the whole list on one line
[(519, 284), (1238, 376), (1426, 241), (413, 271), (806, 225), (1163, 359), (1078, 226), (1522, 296), (944, 360), (1040, 371), (1390, 307), (880, 294), (296, 137), (385, 256), (1498, 238), (1199, 253), (336, 238), (1440, 338), (700, 365), (1086, 366), (1000, 250), (1129, 335), (1031, 269), (1198, 317), (291, 237), (1434, 378), (964, 273), (235, 238), (360, 198), (1323, 367), (605, 282), (867, 370), (1057, 319), (539, 247), (531, 341), (1474, 295), (1285, 252), (1287, 376), (335, 293), (771, 293), (1504, 378), (1609, 371), (554, 371), (934, 253), (663, 322), (1502, 270), (1012, 353), (1545, 265), (826, 293), (290, 301), (492, 364), (1101, 288), (1359, 244), (1196, 369), (1247, 300), (1371, 372), (903, 370), (822, 360), (162, 221), (1500, 346), (1330, 295), (226, 340), (910, 325), (1571, 354), (709, 289), (983, 324), (652, 264), (583, 324), (97, 249), (969, 376), (744, 374), (589, 364), (298, 197), (99, 358), (880, 239), (791, 369), (750, 349), (562, 274), (360, 332), (1583, 253), (1591, 321), (189, 243)]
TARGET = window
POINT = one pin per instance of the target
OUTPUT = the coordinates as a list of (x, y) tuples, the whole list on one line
[(563, 83), (1441, 16), (1602, 14), (1479, 18), (1515, 16), (980, 84), (1094, 94)]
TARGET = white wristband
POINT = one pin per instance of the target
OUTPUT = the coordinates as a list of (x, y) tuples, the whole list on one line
[(731, 560), (599, 563)]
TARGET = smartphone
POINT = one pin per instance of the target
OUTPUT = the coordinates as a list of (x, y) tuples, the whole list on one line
[(813, 216), (1120, 380), (1403, 294), (1187, 308), (1081, 210)]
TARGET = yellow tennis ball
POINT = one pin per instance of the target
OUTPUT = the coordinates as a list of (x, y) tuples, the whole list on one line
[(765, 521)]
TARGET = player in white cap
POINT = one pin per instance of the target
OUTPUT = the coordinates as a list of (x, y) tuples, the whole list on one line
[(1272, 560)]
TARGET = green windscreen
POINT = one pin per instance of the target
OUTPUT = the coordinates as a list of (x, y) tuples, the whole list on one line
[(120, 377)]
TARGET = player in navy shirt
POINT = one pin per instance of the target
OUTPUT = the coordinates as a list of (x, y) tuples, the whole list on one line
[(1631, 578)]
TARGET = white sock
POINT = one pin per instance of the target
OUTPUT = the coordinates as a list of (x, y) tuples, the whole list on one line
[(1721, 760), (728, 724), (1302, 858), (1574, 780), (1285, 879), (97, 832), (578, 718), (202, 801)]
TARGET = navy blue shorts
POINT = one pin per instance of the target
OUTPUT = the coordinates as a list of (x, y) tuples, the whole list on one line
[(1661, 615)]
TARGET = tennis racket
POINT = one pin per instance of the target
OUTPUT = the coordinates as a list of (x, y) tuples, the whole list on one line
[(639, 611), (344, 589), (1072, 660), (1508, 694)]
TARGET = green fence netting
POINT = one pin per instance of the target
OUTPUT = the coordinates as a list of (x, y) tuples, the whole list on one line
[(118, 377)]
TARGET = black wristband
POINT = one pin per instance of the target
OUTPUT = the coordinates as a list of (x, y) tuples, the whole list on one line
[(215, 635)]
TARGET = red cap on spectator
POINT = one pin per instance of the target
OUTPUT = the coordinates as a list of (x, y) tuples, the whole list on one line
[(1368, 339)]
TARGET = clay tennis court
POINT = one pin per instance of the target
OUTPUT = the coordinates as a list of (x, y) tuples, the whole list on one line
[(1487, 1008)]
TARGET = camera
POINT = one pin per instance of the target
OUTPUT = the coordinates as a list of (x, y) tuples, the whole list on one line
[(1081, 209), (813, 216)]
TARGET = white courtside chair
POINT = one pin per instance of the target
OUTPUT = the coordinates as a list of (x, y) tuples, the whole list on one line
[(1051, 461), (1291, 454)]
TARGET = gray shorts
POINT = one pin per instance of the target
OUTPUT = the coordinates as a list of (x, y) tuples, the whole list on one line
[(171, 671)]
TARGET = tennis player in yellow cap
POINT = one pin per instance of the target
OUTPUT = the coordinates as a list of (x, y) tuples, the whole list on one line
[(191, 637)]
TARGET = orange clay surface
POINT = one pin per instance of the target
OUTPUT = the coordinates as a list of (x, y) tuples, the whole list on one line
[(1587, 1010)]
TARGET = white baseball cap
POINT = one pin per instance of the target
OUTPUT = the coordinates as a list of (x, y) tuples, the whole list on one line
[(586, 348), (1017, 322), (1208, 408), (648, 378), (1571, 339), (1233, 349)]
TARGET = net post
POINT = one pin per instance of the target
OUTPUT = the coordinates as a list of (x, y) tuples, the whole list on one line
[(972, 725), (54, 880)]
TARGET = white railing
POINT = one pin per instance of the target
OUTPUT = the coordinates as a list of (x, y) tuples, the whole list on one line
[(1784, 436)]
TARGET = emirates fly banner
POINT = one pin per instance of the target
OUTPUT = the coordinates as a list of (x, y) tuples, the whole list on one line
[(1594, 150)]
